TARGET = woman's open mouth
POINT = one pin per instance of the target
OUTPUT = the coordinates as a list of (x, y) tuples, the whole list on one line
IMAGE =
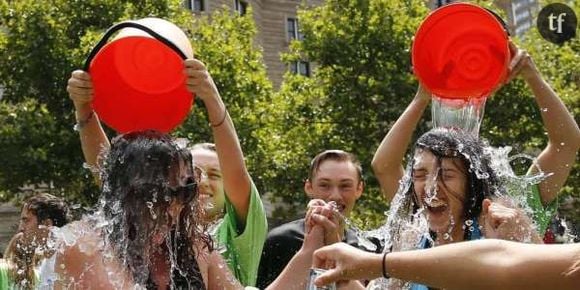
[(436, 206)]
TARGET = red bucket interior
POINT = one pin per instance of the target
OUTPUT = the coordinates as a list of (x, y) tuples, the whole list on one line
[(139, 84), (461, 51)]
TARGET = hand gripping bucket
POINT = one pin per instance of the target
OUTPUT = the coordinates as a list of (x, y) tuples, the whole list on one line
[(461, 51), (138, 77)]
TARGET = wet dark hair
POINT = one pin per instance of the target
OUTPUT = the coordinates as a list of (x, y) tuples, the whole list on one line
[(336, 155), (136, 199), (47, 206), (468, 150)]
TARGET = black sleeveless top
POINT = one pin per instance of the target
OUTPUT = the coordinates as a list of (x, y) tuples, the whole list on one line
[(190, 278), (180, 281)]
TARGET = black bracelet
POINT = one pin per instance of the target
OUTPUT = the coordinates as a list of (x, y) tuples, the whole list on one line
[(222, 121), (384, 267)]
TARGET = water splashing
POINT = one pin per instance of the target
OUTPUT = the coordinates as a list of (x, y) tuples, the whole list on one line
[(458, 113), (361, 236)]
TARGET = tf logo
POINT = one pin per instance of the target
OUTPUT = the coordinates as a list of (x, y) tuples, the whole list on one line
[(557, 23)]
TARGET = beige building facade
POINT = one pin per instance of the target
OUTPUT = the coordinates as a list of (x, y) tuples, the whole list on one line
[(277, 25)]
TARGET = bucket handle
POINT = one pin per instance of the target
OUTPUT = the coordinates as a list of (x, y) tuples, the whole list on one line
[(130, 24)]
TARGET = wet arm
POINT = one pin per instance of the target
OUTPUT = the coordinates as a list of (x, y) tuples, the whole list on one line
[(231, 158), (563, 135), (387, 161), (505, 265), (295, 274), (219, 275), (92, 136)]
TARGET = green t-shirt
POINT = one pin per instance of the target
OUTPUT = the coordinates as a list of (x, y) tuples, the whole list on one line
[(5, 281), (542, 215), (242, 251)]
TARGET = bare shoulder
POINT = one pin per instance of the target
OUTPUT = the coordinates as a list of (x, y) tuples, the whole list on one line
[(82, 259)]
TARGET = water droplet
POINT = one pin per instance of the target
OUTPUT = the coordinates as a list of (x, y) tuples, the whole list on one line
[(544, 109), (469, 222)]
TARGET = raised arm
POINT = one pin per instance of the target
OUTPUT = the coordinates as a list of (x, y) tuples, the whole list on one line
[(505, 265), (93, 137), (231, 158), (388, 160), (563, 133)]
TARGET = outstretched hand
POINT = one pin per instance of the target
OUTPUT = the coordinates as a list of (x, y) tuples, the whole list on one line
[(345, 263)]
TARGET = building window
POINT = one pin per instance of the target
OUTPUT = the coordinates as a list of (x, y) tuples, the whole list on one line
[(300, 67), (293, 31), (195, 5), (241, 6)]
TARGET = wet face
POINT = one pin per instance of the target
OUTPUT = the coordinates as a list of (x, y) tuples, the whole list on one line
[(336, 181), (28, 221), (440, 190), (182, 186), (211, 186)]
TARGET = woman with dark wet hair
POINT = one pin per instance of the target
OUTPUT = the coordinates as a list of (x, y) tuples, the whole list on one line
[(562, 145), (149, 231), (230, 198), (454, 154), (450, 180), (148, 193)]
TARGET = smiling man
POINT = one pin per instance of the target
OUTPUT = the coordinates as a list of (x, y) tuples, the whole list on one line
[(334, 176), (43, 209)]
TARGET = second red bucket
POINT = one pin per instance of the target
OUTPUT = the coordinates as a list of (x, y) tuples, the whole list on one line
[(138, 77), (461, 51)]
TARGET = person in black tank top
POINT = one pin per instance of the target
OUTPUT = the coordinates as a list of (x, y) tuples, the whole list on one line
[(149, 198)]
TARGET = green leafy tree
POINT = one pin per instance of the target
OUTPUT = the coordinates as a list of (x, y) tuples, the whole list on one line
[(225, 43), (40, 44), (363, 82)]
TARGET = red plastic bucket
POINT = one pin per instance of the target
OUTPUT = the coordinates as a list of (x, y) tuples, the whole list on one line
[(461, 51), (138, 77)]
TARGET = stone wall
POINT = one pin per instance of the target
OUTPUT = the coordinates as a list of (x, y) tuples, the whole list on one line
[(9, 218)]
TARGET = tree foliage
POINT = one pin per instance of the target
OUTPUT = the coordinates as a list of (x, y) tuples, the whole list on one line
[(225, 43), (40, 44), (362, 82)]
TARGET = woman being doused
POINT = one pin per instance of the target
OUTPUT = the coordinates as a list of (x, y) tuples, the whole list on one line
[(450, 193), (458, 192), (149, 231)]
